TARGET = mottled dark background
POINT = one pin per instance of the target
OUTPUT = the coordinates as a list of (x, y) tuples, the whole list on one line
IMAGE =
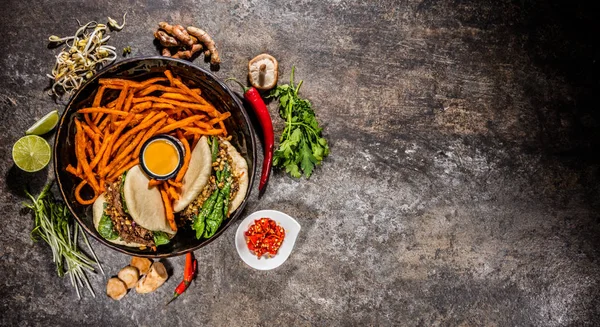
[(461, 189)]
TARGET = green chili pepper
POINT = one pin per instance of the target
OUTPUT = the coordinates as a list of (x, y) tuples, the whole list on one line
[(199, 221), (214, 149), (212, 221), (227, 192)]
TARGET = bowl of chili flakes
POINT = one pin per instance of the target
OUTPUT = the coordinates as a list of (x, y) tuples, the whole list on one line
[(266, 261)]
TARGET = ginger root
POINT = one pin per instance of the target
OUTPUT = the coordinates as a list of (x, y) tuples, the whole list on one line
[(142, 264), (166, 52), (165, 39), (187, 54), (129, 275), (116, 289), (153, 280), (208, 42), (178, 32), (184, 43)]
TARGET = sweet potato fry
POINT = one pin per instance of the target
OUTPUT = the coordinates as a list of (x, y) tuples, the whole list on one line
[(158, 87), (149, 116), (117, 133), (121, 170), (78, 194), (121, 156), (174, 183), (97, 143), (88, 120), (151, 132), (221, 118), (139, 107), (111, 104), (128, 101), (118, 82), (178, 96), (186, 158), (154, 182), (178, 124), (89, 150), (168, 208), (222, 125), (103, 122), (102, 110), (72, 170), (82, 159), (193, 106), (172, 193), (151, 81), (88, 131), (203, 125), (122, 97), (191, 131), (100, 153), (193, 94), (161, 106), (98, 97), (142, 126), (169, 76), (130, 147), (97, 101)]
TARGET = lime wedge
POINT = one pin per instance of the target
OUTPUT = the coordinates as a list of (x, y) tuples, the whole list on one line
[(44, 125), (31, 153)]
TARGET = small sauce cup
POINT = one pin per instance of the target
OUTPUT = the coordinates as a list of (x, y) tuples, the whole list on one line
[(161, 157)]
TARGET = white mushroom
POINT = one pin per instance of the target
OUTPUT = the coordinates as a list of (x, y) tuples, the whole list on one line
[(263, 71)]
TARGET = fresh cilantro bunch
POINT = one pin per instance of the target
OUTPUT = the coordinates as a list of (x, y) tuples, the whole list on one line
[(301, 145)]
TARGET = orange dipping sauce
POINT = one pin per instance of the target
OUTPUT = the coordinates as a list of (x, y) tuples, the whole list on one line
[(161, 157)]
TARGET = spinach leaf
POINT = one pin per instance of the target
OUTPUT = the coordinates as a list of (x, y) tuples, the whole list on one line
[(105, 227), (161, 238)]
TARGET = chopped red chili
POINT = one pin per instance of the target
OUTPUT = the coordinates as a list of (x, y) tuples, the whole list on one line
[(264, 237)]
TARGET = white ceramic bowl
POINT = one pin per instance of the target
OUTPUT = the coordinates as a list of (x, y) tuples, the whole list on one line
[(289, 224)]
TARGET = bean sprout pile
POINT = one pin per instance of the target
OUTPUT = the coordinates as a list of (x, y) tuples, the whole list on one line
[(83, 55)]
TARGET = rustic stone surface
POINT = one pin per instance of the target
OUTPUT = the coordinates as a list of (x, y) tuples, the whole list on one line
[(461, 189)]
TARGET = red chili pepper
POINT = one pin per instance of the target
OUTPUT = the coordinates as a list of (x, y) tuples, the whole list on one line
[(260, 109), (264, 236), (189, 271)]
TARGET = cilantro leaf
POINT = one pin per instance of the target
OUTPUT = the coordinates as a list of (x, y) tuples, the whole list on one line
[(301, 145), (308, 160)]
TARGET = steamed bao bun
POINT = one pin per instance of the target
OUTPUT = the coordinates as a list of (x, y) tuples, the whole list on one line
[(144, 204)]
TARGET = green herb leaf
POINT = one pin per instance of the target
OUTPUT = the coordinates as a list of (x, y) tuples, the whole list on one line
[(308, 160), (301, 146), (161, 238), (56, 227), (106, 228)]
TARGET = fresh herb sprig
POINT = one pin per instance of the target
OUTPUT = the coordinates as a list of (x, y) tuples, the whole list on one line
[(55, 226), (301, 145)]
